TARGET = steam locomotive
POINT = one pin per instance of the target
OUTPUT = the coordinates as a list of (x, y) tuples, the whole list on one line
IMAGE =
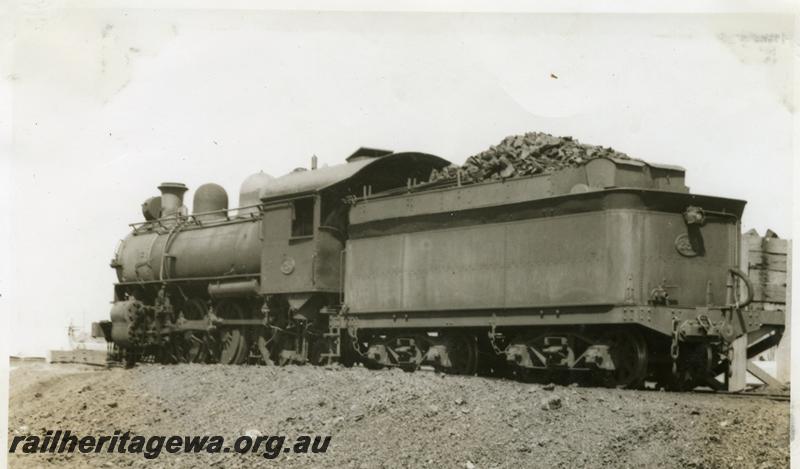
[(610, 272)]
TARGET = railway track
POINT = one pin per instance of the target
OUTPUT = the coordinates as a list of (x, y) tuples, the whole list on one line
[(782, 396)]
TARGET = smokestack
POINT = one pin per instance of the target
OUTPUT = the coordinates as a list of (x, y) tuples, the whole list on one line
[(171, 198), (313, 162)]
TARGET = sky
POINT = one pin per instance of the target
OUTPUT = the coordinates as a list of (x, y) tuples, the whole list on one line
[(106, 103)]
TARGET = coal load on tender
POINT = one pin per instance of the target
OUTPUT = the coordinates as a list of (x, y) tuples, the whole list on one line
[(523, 155)]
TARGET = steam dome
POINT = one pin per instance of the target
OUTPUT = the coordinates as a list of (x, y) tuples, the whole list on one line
[(210, 197), (251, 187)]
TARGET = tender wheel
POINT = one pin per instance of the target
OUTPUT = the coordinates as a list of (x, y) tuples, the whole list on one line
[(695, 368), (318, 347), (463, 352), (349, 354), (234, 346), (543, 368), (628, 350), (369, 363), (700, 361)]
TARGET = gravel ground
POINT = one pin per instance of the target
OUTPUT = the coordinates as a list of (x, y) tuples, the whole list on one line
[(393, 419)]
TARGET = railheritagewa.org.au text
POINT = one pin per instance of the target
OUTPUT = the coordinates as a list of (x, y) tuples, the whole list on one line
[(151, 447)]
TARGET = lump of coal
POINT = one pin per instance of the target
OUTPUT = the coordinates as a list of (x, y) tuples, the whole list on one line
[(522, 155)]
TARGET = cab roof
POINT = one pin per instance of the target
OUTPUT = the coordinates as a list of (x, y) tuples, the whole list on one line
[(399, 166)]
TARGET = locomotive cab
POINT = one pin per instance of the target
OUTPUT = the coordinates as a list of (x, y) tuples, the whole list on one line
[(298, 249), (305, 224)]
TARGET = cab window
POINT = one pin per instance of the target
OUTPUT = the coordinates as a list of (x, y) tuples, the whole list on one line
[(303, 217)]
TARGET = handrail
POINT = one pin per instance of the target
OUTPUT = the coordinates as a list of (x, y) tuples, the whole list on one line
[(193, 215), (168, 244), (738, 273), (189, 279)]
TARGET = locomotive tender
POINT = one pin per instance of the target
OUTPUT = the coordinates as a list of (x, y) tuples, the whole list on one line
[(610, 271)]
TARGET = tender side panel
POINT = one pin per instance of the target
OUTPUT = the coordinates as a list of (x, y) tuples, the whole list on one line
[(568, 260), (374, 273), (461, 268), (685, 277), (603, 248)]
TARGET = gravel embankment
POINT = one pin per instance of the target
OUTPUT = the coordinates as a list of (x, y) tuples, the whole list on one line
[(393, 419)]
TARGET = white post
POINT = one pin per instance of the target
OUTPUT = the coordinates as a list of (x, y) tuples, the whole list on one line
[(738, 378), (784, 353)]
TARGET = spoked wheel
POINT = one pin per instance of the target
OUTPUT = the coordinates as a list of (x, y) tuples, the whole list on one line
[(463, 352), (628, 351), (233, 343), (193, 346)]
